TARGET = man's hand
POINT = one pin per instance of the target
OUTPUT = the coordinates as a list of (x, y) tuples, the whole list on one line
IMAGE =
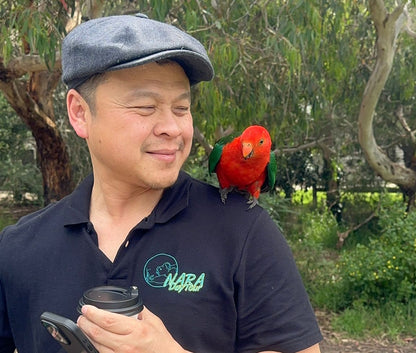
[(114, 333)]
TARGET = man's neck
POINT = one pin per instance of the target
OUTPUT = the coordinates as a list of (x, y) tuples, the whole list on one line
[(118, 204), (115, 209)]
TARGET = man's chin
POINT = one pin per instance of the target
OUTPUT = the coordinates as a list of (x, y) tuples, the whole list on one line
[(163, 183)]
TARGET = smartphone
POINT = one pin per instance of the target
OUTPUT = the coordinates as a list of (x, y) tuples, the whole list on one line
[(67, 333)]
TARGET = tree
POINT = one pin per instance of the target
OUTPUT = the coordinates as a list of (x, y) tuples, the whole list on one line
[(29, 74), (388, 27)]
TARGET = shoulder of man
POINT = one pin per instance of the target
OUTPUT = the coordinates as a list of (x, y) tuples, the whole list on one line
[(236, 202)]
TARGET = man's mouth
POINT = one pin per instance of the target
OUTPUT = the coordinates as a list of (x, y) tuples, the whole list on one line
[(165, 155)]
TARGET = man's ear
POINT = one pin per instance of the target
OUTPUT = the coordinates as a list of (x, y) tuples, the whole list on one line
[(78, 113)]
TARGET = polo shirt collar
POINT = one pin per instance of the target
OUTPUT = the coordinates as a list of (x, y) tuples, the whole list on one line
[(173, 201)]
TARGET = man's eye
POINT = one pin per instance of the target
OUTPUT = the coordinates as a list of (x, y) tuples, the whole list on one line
[(145, 110), (181, 110)]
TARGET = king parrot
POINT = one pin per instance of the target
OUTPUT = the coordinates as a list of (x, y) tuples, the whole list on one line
[(245, 163)]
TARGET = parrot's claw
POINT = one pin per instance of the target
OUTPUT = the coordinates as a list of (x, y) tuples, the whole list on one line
[(224, 192), (252, 202)]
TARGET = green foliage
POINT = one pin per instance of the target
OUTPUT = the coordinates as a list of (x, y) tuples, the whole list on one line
[(18, 172), (197, 166), (28, 28), (294, 170), (320, 228), (377, 268), (343, 282), (276, 205), (312, 235), (385, 269)]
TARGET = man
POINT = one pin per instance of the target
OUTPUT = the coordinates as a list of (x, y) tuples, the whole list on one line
[(213, 277)]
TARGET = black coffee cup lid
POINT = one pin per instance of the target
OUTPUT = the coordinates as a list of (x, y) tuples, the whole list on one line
[(119, 300)]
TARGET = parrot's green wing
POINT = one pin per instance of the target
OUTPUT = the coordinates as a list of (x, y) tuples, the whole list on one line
[(272, 170), (271, 174), (215, 155)]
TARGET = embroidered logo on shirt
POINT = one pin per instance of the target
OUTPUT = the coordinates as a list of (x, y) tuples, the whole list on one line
[(162, 271)]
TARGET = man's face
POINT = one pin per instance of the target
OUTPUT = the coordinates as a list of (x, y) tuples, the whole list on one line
[(141, 132)]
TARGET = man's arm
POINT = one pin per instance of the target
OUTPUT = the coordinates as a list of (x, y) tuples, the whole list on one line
[(313, 349)]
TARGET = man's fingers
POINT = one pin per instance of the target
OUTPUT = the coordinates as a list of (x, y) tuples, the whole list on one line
[(112, 333), (111, 322), (109, 332)]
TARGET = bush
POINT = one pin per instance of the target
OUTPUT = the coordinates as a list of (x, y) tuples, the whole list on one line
[(383, 270), (309, 228), (312, 235)]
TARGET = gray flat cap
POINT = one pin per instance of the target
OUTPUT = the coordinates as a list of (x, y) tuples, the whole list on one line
[(119, 42)]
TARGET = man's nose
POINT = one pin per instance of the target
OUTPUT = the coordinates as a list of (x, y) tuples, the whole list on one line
[(168, 124)]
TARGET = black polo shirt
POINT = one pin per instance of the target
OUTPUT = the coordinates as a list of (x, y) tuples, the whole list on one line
[(221, 277)]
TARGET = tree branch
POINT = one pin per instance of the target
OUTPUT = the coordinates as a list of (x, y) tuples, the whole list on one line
[(344, 235), (409, 24), (403, 122), (317, 143), (199, 136), (19, 66)]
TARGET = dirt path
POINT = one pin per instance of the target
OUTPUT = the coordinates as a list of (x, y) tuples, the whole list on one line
[(351, 346), (335, 343)]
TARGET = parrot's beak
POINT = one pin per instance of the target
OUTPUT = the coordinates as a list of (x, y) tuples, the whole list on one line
[(247, 150)]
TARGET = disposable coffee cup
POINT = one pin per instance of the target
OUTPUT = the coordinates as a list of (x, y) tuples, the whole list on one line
[(125, 301)]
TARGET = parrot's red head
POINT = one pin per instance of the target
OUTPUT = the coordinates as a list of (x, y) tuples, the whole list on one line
[(255, 142)]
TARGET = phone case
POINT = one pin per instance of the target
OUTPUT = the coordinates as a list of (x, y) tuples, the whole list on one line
[(67, 333)]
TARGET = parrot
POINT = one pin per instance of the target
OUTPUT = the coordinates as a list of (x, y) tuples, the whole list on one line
[(244, 163)]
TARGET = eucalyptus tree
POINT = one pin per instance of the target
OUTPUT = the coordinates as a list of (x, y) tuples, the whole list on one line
[(391, 23), (28, 77)]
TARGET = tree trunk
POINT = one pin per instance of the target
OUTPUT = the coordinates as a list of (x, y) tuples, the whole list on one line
[(331, 179), (388, 27), (33, 102)]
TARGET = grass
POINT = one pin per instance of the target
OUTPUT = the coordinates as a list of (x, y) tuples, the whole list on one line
[(393, 321), (5, 219), (10, 213)]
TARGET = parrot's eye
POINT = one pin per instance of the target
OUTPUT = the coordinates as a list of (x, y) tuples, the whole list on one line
[(261, 142)]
